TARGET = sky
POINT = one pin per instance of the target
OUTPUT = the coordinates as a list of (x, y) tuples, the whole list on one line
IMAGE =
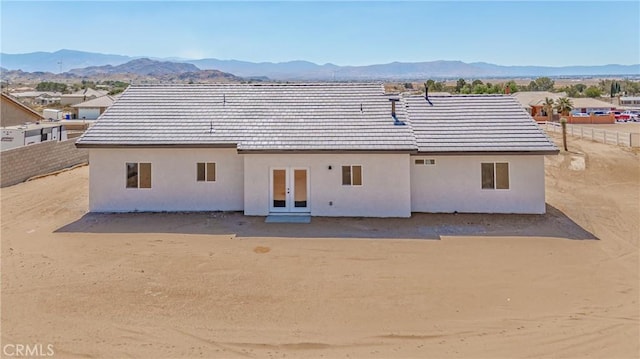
[(542, 33)]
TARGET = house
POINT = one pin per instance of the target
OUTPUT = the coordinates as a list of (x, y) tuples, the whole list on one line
[(92, 109), (37, 97), (629, 101), (13, 113), (334, 149), (533, 102), (81, 96)]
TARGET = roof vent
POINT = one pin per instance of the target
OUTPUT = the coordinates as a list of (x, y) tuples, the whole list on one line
[(393, 111), (426, 94)]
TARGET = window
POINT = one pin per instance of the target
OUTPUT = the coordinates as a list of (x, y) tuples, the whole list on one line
[(495, 175), (206, 171), (352, 175), (138, 175), (427, 162)]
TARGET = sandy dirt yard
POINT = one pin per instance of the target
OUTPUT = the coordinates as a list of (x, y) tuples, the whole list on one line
[(221, 285)]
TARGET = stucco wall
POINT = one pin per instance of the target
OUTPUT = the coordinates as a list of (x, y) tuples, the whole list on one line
[(174, 186), (21, 163), (385, 190), (454, 184), (12, 114)]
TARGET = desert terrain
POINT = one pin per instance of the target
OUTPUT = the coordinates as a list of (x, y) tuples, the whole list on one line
[(221, 285)]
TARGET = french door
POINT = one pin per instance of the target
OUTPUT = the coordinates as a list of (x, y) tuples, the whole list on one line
[(289, 190)]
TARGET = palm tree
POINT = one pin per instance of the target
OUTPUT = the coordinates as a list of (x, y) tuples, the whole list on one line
[(563, 123), (548, 108), (564, 105)]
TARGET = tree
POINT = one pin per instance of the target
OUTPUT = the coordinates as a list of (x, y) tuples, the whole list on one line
[(564, 105), (544, 84), (563, 123), (476, 83), (512, 85), (592, 91), (548, 108), (460, 84), (580, 87), (51, 86)]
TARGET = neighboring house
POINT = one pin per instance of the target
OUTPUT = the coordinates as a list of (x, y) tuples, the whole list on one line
[(12, 112), (31, 133), (589, 105), (533, 102), (331, 149), (92, 109), (37, 97), (81, 96), (629, 101)]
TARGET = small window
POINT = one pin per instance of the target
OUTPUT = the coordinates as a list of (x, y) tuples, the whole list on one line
[(352, 175), (495, 175), (138, 175), (427, 162), (206, 171)]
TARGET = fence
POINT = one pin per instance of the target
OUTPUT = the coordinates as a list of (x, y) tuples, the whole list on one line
[(22, 163), (598, 135)]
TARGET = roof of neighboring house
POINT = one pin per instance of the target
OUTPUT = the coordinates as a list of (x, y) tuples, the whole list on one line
[(35, 94), (313, 117), (586, 102), (536, 98), (474, 123), (265, 117), (88, 92), (21, 106), (103, 101)]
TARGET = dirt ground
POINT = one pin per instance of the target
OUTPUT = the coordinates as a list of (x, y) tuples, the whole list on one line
[(221, 285)]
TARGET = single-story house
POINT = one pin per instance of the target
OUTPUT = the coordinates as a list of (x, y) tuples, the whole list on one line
[(13, 112), (629, 101), (81, 96), (92, 109), (334, 149)]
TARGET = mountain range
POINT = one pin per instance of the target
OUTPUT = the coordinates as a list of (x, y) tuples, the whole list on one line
[(81, 63)]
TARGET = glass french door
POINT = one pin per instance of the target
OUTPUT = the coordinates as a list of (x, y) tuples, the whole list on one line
[(289, 190)]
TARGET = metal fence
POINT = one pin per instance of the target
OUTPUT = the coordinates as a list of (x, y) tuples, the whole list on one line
[(618, 138)]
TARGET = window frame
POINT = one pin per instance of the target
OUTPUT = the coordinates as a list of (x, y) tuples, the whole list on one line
[(139, 179), (494, 168), (424, 161), (351, 175), (206, 168)]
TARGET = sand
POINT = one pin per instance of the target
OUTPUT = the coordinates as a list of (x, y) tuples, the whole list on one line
[(221, 285)]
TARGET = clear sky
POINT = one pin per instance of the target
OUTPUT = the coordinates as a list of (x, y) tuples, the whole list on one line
[(546, 33)]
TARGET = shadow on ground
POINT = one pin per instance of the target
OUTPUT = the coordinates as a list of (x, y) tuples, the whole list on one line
[(554, 224)]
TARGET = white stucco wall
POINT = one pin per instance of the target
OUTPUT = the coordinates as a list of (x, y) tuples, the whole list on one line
[(88, 113), (454, 184), (385, 191), (174, 186)]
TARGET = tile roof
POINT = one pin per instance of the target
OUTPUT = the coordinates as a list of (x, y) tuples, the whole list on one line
[(266, 117), (103, 101), (474, 123), (313, 117), (536, 98)]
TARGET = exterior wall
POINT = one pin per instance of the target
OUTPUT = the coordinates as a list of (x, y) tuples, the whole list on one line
[(454, 184), (13, 115), (20, 164), (73, 100), (385, 190), (173, 181), (89, 113)]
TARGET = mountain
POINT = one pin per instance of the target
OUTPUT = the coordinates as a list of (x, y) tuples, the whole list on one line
[(55, 61), (302, 70), (298, 70), (142, 66), (139, 71)]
